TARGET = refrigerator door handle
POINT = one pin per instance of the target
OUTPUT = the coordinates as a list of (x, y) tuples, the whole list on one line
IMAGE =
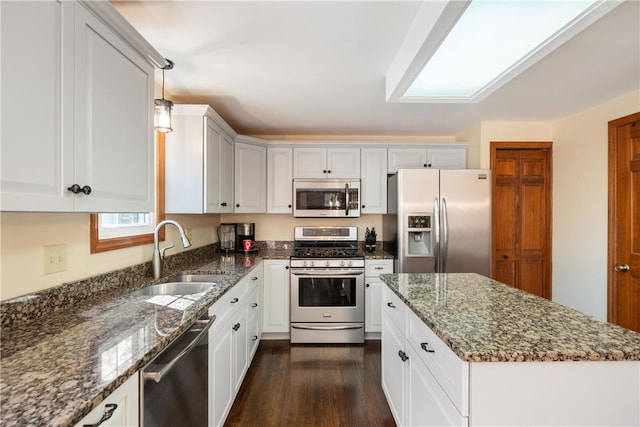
[(445, 235), (436, 246)]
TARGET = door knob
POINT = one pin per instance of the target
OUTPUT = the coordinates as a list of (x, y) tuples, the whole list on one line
[(621, 267)]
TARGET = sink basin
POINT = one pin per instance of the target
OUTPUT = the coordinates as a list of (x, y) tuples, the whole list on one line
[(200, 278), (175, 288)]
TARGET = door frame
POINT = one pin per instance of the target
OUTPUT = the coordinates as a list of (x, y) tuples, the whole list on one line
[(494, 146), (612, 243)]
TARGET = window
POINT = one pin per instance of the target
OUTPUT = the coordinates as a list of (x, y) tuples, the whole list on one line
[(109, 231)]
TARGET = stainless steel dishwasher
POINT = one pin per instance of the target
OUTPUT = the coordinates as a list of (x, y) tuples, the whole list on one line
[(174, 385)]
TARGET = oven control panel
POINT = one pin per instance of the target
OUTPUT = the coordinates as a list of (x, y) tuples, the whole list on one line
[(327, 263)]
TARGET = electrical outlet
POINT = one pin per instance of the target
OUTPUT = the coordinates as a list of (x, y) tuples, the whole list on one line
[(55, 258)]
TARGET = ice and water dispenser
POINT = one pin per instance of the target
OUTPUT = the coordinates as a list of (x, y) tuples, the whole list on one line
[(419, 238)]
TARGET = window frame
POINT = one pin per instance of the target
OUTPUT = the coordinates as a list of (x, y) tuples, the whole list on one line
[(103, 245)]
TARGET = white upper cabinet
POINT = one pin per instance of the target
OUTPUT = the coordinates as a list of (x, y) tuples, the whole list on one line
[(94, 95), (199, 162), (279, 180), (250, 172), (426, 157), (373, 162), (322, 162)]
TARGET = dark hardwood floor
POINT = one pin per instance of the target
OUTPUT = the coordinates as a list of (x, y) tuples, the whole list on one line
[(312, 385)]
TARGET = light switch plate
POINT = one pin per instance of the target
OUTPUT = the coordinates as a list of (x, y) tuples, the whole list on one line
[(55, 258)]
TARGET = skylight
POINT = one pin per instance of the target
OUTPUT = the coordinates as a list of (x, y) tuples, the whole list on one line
[(491, 40)]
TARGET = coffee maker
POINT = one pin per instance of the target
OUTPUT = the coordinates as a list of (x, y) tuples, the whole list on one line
[(245, 237), (227, 236)]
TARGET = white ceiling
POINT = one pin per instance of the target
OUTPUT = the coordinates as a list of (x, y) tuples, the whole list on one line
[(318, 67)]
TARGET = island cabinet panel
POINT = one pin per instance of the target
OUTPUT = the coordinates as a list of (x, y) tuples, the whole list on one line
[(555, 393)]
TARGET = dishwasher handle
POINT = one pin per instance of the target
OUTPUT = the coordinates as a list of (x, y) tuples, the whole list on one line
[(157, 375)]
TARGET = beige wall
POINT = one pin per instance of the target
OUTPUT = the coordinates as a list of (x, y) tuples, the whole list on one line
[(24, 235), (280, 227), (580, 192)]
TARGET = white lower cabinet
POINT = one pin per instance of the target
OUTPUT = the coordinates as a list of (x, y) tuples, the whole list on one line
[(373, 268), (427, 403), (232, 344), (276, 296), (415, 396), (120, 408)]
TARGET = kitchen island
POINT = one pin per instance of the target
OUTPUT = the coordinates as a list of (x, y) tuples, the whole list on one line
[(462, 349)]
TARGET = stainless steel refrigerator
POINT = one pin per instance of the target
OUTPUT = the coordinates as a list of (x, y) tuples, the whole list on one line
[(440, 220)]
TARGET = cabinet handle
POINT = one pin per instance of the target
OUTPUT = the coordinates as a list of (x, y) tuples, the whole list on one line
[(367, 285), (236, 326), (254, 338), (289, 206), (254, 278), (76, 189), (403, 355), (254, 305), (324, 171), (109, 409), (223, 204), (425, 347), (379, 268), (237, 205), (235, 300), (390, 304), (286, 267), (363, 206), (329, 171)]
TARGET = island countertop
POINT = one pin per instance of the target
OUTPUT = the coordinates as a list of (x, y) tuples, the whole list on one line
[(483, 320)]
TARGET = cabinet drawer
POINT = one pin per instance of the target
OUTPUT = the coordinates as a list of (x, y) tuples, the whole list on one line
[(451, 372), (375, 268), (234, 298), (394, 309)]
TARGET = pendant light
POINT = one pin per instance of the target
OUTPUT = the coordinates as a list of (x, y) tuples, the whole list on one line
[(162, 107)]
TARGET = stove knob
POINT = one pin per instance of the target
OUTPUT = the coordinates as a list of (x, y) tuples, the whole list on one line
[(305, 264), (310, 263), (341, 263), (349, 263), (327, 263)]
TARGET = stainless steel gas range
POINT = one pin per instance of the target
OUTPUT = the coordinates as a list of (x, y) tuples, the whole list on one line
[(327, 286)]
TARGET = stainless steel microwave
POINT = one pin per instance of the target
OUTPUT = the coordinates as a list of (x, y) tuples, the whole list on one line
[(324, 198)]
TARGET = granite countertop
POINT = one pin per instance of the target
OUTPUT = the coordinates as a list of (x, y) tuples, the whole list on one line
[(56, 368), (482, 320)]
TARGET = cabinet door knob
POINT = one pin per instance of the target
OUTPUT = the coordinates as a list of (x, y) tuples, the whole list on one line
[(237, 205), (403, 355), (324, 171), (367, 285), (255, 338), (236, 326), (363, 206), (289, 206), (76, 189), (254, 305), (235, 300), (329, 171), (223, 204)]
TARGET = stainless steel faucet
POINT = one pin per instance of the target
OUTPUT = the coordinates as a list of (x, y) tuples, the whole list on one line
[(158, 254)]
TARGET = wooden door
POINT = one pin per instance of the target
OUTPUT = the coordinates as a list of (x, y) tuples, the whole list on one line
[(521, 222), (623, 278)]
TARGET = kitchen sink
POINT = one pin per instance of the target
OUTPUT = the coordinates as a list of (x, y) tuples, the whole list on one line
[(175, 288), (195, 277)]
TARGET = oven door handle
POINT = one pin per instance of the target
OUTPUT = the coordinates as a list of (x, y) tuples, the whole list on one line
[(329, 328), (325, 274), (346, 199)]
